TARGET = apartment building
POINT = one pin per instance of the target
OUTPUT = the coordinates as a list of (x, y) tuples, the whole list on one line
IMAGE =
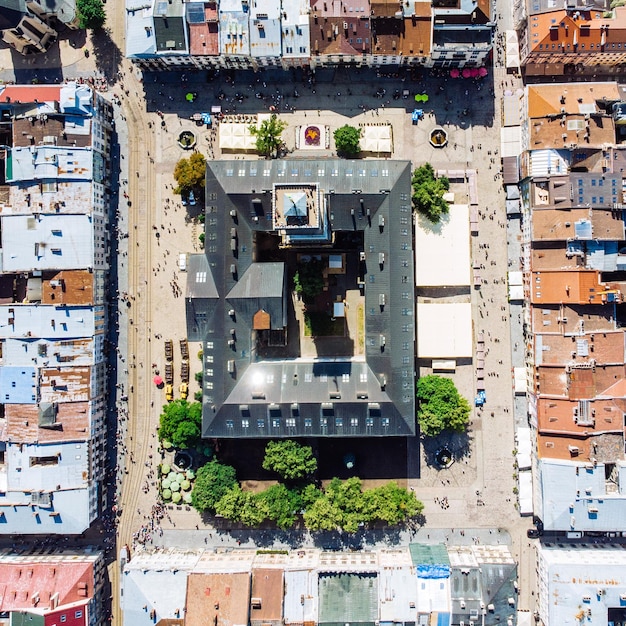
[(588, 581), (309, 33), (419, 584), (579, 36), (54, 259), (62, 587), (574, 231)]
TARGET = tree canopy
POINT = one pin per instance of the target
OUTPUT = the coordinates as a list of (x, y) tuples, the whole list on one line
[(190, 173), (180, 423), (441, 407), (91, 15), (308, 281), (269, 136), (213, 481), (428, 192), (347, 141), (289, 459), (343, 505), (280, 504)]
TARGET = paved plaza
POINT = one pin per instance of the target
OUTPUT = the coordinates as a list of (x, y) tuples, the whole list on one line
[(476, 492)]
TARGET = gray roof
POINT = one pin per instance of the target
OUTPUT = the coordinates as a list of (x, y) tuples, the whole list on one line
[(245, 396), (348, 598), (169, 26)]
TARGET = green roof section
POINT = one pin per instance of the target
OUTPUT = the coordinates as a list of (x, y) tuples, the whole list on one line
[(429, 554), (348, 599), (23, 618)]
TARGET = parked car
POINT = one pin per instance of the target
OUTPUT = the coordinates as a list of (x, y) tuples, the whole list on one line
[(192, 198), (169, 392), (182, 262)]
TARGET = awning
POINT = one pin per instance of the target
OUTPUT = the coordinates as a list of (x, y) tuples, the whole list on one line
[(512, 50), (377, 139)]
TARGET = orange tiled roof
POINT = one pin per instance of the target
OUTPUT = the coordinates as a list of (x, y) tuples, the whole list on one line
[(554, 287), (563, 416), (544, 100), (219, 599), (603, 348), (591, 32)]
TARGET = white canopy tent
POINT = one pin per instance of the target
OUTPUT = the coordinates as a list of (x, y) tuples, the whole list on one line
[(236, 136), (377, 139), (512, 50)]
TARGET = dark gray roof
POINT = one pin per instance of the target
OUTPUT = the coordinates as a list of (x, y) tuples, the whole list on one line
[(169, 26), (262, 287), (248, 397), (202, 297), (261, 280)]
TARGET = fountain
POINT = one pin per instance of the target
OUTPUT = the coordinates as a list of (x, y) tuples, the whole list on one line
[(186, 140), (438, 137)]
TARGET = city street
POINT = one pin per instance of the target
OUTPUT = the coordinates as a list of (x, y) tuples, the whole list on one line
[(154, 227)]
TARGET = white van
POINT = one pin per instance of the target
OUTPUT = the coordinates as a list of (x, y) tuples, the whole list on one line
[(182, 262)]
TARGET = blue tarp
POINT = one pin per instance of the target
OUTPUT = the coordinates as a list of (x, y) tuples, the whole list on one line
[(443, 619), (433, 571), (206, 119)]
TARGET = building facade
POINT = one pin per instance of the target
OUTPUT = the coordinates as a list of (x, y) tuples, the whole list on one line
[(53, 274), (574, 228), (269, 370), (309, 33), (415, 584)]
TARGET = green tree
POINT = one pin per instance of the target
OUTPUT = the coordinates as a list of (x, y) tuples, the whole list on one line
[(213, 481), (242, 506), (391, 504), (190, 173), (181, 423), (441, 407), (308, 281), (428, 192), (347, 141), (323, 515), (91, 15), (309, 494), (280, 504), (289, 459), (341, 507), (269, 136)]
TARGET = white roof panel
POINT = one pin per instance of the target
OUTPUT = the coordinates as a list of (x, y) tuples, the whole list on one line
[(44, 242), (442, 251), (444, 330)]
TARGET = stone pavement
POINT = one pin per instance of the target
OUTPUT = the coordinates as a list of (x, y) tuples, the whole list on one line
[(479, 486)]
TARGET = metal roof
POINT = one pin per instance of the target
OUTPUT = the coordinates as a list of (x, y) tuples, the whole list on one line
[(47, 242), (348, 598), (574, 496), (18, 385), (429, 554), (370, 395)]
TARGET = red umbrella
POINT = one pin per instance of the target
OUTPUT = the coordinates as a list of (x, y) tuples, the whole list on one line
[(482, 72), (157, 380), (466, 73), (454, 73), (474, 72)]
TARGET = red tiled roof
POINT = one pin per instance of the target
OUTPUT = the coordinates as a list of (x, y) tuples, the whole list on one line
[(30, 93), (73, 581)]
